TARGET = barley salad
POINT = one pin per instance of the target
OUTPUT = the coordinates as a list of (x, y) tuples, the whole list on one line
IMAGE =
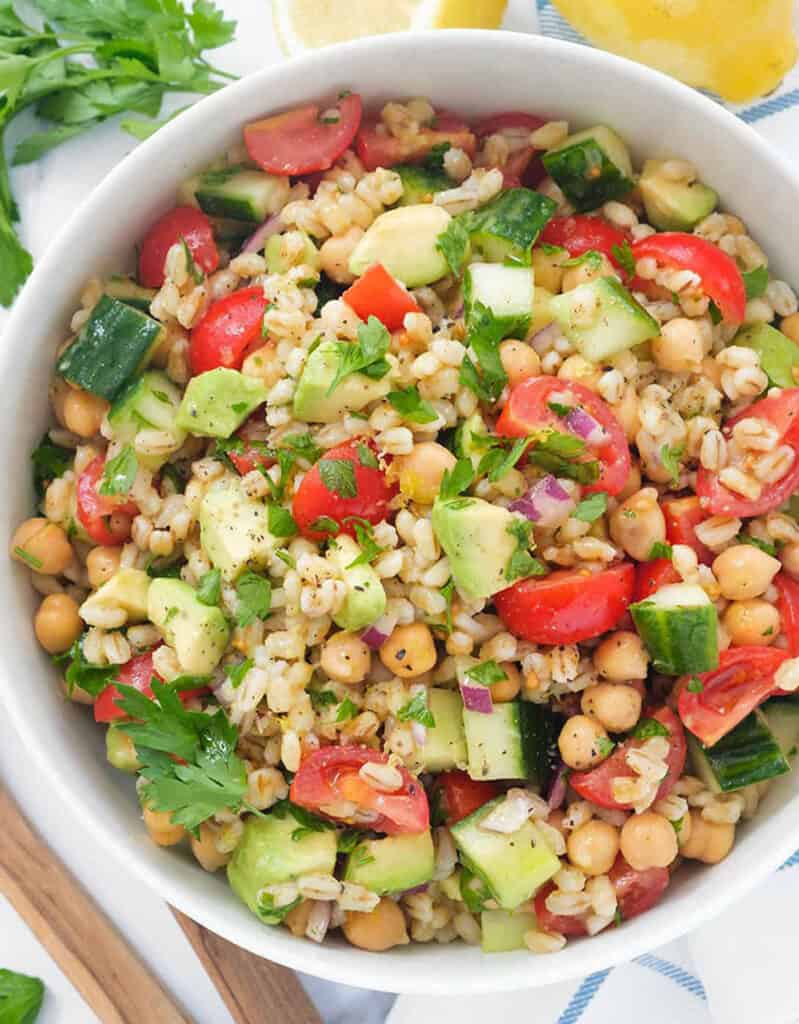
[(418, 520)]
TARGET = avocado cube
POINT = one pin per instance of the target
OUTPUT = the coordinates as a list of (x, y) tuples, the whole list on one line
[(779, 356), (198, 633), (365, 600), (393, 864), (127, 589), (504, 930), (217, 402), (313, 404), (475, 537), (405, 241), (234, 529)]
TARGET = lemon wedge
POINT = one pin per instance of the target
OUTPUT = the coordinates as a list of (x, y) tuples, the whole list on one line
[(303, 25)]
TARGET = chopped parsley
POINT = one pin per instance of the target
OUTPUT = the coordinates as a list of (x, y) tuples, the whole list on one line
[(322, 698), (486, 673), (324, 524), (659, 550), (119, 473), (434, 161), (522, 563), (50, 461), (338, 476), (82, 673), (411, 406), (365, 535), (755, 282), (30, 560), (255, 598), (670, 457), (590, 258), (448, 591), (307, 821), (457, 480), (560, 409), (302, 446), (604, 746), (558, 453), (623, 254), (487, 377), (367, 457), (649, 727), (367, 355), (695, 685), (417, 710), (592, 508), (236, 673), (210, 588), (346, 710), (756, 542), (281, 521), (453, 244)]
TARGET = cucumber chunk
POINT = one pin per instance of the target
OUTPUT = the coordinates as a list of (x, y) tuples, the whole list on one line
[(679, 627), (240, 193), (747, 755), (393, 864), (782, 716), (503, 931), (420, 184), (150, 402), (591, 167), (445, 743), (508, 293), (601, 319), (113, 345), (779, 356), (674, 205), (514, 742), (127, 290), (507, 228)]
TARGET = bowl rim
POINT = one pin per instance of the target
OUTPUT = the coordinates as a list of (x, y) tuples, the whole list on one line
[(332, 963)]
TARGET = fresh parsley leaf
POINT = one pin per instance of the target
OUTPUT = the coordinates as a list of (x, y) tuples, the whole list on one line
[(590, 258), (670, 457), (552, 250), (50, 461), (348, 840), (623, 254), (119, 473), (453, 244), (367, 355), (161, 723), (500, 460), (265, 907), (281, 521), (302, 446), (236, 673), (560, 409), (660, 550), (677, 825), (367, 457), (486, 673), (561, 454), (30, 560), (158, 569), (410, 404), (649, 727), (365, 536), (238, 406), (286, 558), (695, 685), (456, 480), (604, 746), (177, 476), (617, 918), (338, 476), (82, 673), (592, 508), (322, 698), (255, 598), (714, 311), (324, 524), (755, 282), (416, 710), (194, 272), (488, 377), (448, 590), (360, 857), (756, 542), (346, 710), (308, 821), (21, 995), (434, 161), (210, 589), (522, 564)]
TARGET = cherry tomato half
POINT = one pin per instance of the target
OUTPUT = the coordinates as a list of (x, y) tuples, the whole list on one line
[(782, 412), (304, 140), (527, 410), (184, 222), (596, 785), (377, 293), (788, 606), (253, 454), (329, 777), (138, 672), (637, 891), (106, 519), (461, 795), (372, 495), (568, 605), (743, 680), (227, 329), (379, 149), (651, 576), (721, 278), (524, 165), (682, 516), (579, 234)]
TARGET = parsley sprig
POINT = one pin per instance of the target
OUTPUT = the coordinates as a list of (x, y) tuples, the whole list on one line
[(366, 356)]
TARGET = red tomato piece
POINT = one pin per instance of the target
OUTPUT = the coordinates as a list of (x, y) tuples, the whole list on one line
[(138, 672), (596, 785), (106, 519), (568, 605), (742, 681), (721, 278), (637, 891), (527, 410), (570, 925), (329, 777), (788, 606), (782, 412), (227, 329), (682, 516), (377, 149), (377, 293), (461, 795), (184, 222), (371, 501), (523, 166), (651, 576), (579, 234), (253, 454), (302, 140)]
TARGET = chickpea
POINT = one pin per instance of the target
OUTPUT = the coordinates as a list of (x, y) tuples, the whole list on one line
[(789, 556), (583, 743), (43, 546), (506, 689), (593, 847), (410, 651), (421, 471), (204, 849), (334, 256), (751, 622), (613, 705), (83, 412), (297, 918), (744, 571), (578, 368), (633, 483), (160, 827), (102, 564), (790, 327), (547, 269), (681, 345), (588, 270), (346, 658), (621, 657), (57, 623), (378, 930), (648, 840), (707, 841), (519, 361), (638, 523)]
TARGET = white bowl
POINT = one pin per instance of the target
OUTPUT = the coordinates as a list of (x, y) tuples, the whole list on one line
[(476, 73)]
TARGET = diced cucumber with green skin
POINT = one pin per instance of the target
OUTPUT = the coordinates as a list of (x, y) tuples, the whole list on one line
[(467, 443), (747, 755), (679, 627), (127, 290), (601, 319), (393, 864), (674, 205), (445, 744), (240, 193), (513, 742), (404, 241), (127, 589), (268, 854), (217, 402), (475, 537), (512, 865), (234, 529), (507, 228), (420, 184), (227, 230), (197, 631), (313, 404), (504, 931), (277, 261), (782, 716), (365, 600), (779, 356), (508, 292), (150, 402), (591, 167), (114, 344), (120, 751)]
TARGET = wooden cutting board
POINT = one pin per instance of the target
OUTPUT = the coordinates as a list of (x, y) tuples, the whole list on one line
[(103, 967)]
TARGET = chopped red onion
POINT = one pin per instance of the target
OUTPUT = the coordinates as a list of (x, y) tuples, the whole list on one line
[(586, 427), (419, 733), (375, 636), (547, 503), (258, 238), (557, 788), (476, 697), (545, 338), (415, 889)]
